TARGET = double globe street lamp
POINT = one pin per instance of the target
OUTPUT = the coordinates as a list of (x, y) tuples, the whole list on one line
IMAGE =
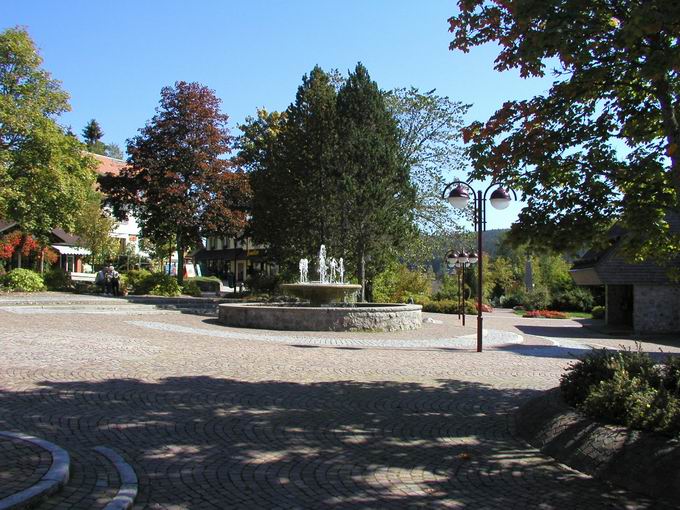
[(458, 197), (459, 261)]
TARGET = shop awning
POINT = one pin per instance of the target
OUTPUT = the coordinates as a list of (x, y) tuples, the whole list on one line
[(70, 250)]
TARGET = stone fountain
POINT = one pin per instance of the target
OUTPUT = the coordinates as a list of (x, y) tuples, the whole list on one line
[(331, 306)]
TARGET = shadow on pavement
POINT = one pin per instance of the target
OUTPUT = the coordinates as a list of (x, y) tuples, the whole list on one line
[(203, 442)]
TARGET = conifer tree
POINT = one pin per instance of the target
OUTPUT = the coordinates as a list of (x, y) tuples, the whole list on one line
[(375, 192), (92, 133), (294, 205)]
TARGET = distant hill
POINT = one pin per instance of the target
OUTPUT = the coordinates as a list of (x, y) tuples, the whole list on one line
[(492, 239)]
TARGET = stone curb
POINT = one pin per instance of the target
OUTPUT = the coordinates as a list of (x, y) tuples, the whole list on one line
[(126, 495), (638, 461), (56, 477)]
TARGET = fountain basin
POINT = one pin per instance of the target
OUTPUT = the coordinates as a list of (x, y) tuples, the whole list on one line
[(321, 293), (295, 317)]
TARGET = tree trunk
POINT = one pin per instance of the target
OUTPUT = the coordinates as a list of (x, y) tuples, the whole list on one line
[(20, 249), (42, 261), (362, 275), (180, 260)]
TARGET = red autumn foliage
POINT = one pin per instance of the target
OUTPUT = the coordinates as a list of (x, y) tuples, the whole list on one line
[(12, 241)]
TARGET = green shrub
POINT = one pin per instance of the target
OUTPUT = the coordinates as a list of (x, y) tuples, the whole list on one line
[(537, 299), (23, 280), (138, 281), (123, 285), (448, 306), (208, 283), (598, 312), (600, 365), (514, 298), (627, 388), (259, 283), (397, 284), (576, 299), (448, 289), (161, 284), (57, 279), (191, 288)]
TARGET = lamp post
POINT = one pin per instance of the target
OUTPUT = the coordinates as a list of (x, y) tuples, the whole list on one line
[(460, 261), (458, 197), (453, 262)]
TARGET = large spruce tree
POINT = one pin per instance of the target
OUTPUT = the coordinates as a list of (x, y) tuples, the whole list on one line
[(375, 192), (295, 195), (329, 171)]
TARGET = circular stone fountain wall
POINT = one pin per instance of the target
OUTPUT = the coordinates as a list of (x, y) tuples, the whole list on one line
[(288, 317)]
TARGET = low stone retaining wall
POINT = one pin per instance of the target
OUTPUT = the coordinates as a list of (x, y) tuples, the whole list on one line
[(638, 461), (361, 317)]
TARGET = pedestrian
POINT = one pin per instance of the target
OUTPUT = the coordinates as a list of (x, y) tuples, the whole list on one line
[(115, 281), (100, 280), (108, 279)]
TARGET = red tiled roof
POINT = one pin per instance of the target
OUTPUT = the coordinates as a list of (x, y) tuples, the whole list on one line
[(108, 165)]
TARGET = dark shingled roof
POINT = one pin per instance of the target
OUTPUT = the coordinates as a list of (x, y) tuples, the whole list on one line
[(608, 265), (4, 224)]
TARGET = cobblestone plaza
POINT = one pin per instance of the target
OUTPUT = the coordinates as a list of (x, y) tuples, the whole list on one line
[(217, 417)]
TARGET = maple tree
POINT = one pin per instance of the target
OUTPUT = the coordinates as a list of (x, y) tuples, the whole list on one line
[(602, 144), (178, 180)]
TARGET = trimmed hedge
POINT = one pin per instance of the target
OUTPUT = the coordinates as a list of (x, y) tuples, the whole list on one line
[(544, 314), (598, 312), (447, 306)]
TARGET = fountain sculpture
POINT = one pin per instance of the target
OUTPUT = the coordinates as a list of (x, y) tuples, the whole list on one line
[(331, 307), (329, 289)]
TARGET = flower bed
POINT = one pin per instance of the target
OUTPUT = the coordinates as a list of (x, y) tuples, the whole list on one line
[(545, 314)]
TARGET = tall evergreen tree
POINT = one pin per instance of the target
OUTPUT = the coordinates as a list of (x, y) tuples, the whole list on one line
[(292, 159), (375, 192), (92, 132)]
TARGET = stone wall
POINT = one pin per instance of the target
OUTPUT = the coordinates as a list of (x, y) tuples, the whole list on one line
[(638, 461), (308, 318), (657, 309)]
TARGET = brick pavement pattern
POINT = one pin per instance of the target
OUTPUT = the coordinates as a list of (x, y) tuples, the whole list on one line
[(214, 421), (21, 465)]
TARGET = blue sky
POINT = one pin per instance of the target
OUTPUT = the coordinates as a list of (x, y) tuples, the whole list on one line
[(114, 57)]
